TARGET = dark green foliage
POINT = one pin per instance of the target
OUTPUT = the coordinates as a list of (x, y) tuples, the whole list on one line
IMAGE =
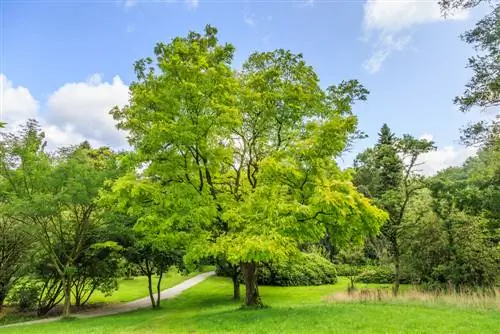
[(25, 295), (483, 89), (344, 269), (380, 275), (303, 270)]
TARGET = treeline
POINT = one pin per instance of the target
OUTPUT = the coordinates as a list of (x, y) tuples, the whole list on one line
[(442, 231), (57, 242)]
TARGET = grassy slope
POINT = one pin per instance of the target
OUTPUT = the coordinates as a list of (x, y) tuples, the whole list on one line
[(207, 308)]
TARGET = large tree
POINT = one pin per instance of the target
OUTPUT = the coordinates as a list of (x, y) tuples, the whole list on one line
[(250, 156), (388, 173)]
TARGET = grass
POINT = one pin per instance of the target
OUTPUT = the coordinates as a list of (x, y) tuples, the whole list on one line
[(132, 289), (128, 290), (207, 308)]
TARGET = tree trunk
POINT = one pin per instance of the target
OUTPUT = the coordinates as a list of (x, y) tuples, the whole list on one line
[(397, 274), (158, 289), (67, 297), (2, 296), (252, 297), (236, 287), (150, 289)]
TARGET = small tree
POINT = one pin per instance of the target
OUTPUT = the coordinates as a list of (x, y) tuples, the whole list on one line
[(394, 181), (55, 195)]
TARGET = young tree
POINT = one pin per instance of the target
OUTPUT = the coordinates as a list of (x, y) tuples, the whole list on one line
[(15, 247), (393, 183), (136, 205), (55, 195), (248, 157)]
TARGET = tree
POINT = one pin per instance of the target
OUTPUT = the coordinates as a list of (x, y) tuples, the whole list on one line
[(15, 247), (55, 195), (137, 207), (97, 269), (483, 89), (392, 164), (247, 157)]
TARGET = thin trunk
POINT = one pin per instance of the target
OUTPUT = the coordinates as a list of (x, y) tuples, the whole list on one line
[(67, 297), (397, 273), (150, 288), (2, 296), (252, 297), (158, 289), (236, 287)]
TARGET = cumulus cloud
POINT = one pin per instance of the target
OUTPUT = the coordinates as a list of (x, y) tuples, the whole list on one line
[(85, 106), (448, 156), (16, 103), (73, 113), (386, 24)]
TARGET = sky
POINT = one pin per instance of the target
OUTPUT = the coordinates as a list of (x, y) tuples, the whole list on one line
[(67, 63)]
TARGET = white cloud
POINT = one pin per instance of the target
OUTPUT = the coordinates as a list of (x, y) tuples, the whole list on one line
[(387, 23), (83, 107), (386, 47), (73, 113), (192, 4), (427, 136), (16, 103), (448, 156), (249, 18)]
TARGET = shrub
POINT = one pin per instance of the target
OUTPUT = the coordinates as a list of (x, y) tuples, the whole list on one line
[(305, 269), (25, 296), (344, 269), (380, 275)]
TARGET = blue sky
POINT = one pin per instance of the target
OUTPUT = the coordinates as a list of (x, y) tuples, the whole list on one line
[(66, 62)]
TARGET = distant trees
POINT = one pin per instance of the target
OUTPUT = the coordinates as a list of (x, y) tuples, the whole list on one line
[(54, 198), (437, 225), (387, 173)]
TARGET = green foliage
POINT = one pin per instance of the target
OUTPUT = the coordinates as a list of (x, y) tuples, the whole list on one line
[(387, 173), (242, 162), (25, 295), (380, 275), (483, 89), (303, 270)]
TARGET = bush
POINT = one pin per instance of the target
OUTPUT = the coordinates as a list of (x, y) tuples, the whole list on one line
[(344, 269), (380, 275), (303, 270), (25, 296)]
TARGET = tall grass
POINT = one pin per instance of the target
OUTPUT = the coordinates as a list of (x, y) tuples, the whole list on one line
[(463, 299)]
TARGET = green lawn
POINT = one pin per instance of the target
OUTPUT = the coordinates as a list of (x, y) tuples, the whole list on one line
[(132, 289), (207, 308)]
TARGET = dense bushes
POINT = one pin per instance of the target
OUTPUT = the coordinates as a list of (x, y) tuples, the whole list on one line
[(302, 270)]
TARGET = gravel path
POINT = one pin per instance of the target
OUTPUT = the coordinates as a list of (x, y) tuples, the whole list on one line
[(126, 307)]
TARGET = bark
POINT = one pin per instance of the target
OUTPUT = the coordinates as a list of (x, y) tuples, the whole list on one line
[(236, 287), (252, 297), (397, 273), (158, 289), (2, 296), (150, 288), (67, 297)]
